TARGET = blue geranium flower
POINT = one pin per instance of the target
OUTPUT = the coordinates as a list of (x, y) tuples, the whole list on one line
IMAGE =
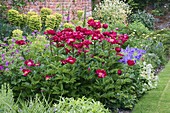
[(131, 54)]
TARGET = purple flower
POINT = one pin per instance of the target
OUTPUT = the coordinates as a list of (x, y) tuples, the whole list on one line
[(21, 58), (5, 39), (3, 57), (11, 47), (17, 51), (47, 45), (13, 40), (7, 63), (7, 69), (24, 38), (12, 53), (1, 67), (131, 54), (33, 33)]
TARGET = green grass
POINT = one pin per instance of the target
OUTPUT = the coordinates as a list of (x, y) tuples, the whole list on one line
[(157, 100)]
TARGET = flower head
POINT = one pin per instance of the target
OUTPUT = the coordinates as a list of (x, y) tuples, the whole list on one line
[(29, 62), (1, 67), (50, 32), (119, 72), (105, 26), (26, 72), (118, 49), (131, 62), (20, 42), (101, 73), (47, 77), (71, 60)]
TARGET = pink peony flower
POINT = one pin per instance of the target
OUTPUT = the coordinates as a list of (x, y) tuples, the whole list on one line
[(71, 60), (29, 62), (101, 73), (26, 72), (131, 62)]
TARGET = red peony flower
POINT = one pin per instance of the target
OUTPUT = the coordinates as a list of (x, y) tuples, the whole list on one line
[(71, 60), (29, 62), (101, 73), (131, 62), (26, 72), (37, 64), (78, 28), (50, 32), (119, 72), (118, 49), (20, 42), (105, 26), (47, 77), (63, 62), (70, 40)]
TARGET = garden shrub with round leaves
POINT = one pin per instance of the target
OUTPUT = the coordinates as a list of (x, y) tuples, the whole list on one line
[(50, 21), (68, 25), (14, 17), (31, 13), (80, 105), (80, 14), (58, 19), (17, 33), (44, 12), (34, 22)]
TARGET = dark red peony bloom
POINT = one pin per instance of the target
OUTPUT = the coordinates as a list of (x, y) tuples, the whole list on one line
[(78, 28), (63, 62), (119, 72), (131, 62), (20, 42), (50, 32), (70, 40), (101, 73), (105, 26), (71, 60), (47, 77), (37, 64), (29, 62), (118, 49), (26, 72)]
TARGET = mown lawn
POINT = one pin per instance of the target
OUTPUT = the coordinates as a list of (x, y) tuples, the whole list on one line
[(157, 100)]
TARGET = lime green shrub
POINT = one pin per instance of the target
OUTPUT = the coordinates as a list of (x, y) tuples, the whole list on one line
[(34, 22), (31, 13), (14, 17), (81, 105), (58, 19), (44, 12), (50, 21), (17, 33), (68, 25), (80, 14), (112, 11)]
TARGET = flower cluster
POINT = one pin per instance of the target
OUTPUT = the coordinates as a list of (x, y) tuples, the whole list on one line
[(29, 63), (82, 40), (131, 55), (21, 42)]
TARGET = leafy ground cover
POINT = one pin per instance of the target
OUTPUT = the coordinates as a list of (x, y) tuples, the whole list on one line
[(157, 100)]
